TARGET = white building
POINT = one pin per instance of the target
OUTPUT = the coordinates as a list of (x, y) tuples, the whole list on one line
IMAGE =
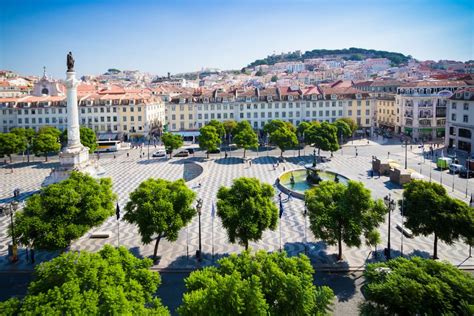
[(460, 121)]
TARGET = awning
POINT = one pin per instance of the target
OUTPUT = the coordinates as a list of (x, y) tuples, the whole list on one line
[(425, 130)]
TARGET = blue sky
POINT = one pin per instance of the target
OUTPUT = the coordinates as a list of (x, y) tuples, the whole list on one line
[(183, 35)]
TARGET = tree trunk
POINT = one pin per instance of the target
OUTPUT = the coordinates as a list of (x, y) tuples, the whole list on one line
[(46, 157), (10, 156), (244, 152), (156, 247), (207, 154), (339, 241), (246, 245), (435, 247), (281, 154)]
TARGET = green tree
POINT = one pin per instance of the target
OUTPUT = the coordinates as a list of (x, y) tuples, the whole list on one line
[(246, 210), (259, 284), (417, 287), (27, 134), (87, 135), (302, 128), (343, 213), (50, 130), (171, 142), (427, 204), (274, 78), (160, 208), (64, 211), (109, 282), (342, 128), (322, 136), (273, 125), (229, 127), (46, 143), (219, 126), (284, 138), (244, 136), (11, 143), (209, 139), (352, 124)]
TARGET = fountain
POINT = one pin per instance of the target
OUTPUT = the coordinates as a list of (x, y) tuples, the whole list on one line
[(297, 181)]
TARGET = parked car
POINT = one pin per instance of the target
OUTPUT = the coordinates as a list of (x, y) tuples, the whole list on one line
[(214, 151), (465, 173), (159, 153), (455, 168), (182, 153)]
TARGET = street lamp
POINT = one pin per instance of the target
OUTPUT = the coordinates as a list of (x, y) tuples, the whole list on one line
[(8, 210), (390, 203), (198, 209)]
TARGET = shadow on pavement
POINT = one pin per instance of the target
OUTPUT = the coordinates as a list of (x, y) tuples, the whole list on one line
[(46, 165), (264, 160), (229, 161), (21, 198)]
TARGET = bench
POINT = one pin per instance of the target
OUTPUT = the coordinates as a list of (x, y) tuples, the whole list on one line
[(405, 231), (98, 235)]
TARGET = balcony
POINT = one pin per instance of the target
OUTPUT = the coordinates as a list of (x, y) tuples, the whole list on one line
[(408, 114)]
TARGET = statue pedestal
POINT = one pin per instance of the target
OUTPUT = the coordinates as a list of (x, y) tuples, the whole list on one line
[(74, 160)]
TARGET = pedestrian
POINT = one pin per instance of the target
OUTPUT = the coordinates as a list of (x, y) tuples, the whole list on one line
[(284, 168), (367, 142), (289, 196), (199, 185), (32, 256), (250, 162), (128, 155), (114, 156), (279, 196)]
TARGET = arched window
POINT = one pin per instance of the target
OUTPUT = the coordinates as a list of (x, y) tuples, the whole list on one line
[(45, 91)]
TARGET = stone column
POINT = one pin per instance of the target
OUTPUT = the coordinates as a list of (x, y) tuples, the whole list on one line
[(73, 134)]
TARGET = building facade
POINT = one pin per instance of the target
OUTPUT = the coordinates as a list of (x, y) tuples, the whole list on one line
[(460, 121)]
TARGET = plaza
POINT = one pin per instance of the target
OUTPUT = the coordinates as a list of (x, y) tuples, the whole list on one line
[(205, 176)]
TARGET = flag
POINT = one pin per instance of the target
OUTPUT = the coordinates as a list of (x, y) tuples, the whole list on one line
[(213, 211), (117, 211), (281, 208)]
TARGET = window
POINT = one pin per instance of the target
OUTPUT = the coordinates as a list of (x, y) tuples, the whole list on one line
[(465, 119), (466, 106), (358, 112), (367, 112), (349, 112), (200, 116), (359, 103), (173, 117), (321, 113), (139, 118), (327, 113), (453, 116), (367, 121), (453, 106)]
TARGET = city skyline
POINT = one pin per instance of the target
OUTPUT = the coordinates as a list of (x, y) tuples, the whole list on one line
[(185, 36)]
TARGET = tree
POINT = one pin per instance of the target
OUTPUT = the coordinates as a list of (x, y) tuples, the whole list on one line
[(260, 284), (64, 211), (27, 134), (274, 78), (208, 138), (171, 142), (244, 136), (11, 143), (246, 210), (302, 128), (50, 130), (323, 136), (352, 124), (427, 204), (343, 129), (87, 135), (273, 125), (417, 287), (343, 213), (111, 281), (218, 126), (229, 127), (284, 138), (45, 143), (160, 207)]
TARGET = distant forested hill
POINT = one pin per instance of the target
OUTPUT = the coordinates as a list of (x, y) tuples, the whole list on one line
[(346, 53)]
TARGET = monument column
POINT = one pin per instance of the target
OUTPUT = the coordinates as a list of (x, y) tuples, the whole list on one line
[(73, 128)]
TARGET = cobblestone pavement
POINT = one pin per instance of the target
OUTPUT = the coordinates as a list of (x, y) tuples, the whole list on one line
[(128, 172)]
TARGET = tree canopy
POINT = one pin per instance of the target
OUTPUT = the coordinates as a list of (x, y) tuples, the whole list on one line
[(160, 208), (49, 130), (352, 124), (342, 128), (11, 143), (259, 284), (417, 287), (109, 282), (209, 139), (246, 210), (229, 127), (218, 126), (302, 128), (45, 143), (322, 136), (427, 204), (284, 138), (171, 142), (64, 211), (244, 136), (273, 125), (343, 213)]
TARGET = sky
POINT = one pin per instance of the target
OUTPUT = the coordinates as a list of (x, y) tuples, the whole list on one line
[(186, 35)]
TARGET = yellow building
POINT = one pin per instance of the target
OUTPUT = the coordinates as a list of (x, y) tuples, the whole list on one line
[(387, 114)]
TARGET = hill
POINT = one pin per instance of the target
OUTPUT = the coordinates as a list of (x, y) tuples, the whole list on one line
[(346, 53)]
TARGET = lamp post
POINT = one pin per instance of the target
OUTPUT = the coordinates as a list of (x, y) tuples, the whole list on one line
[(390, 203), (305, 235), (149, 138), (406, 147), (8, 210), (198, 209)]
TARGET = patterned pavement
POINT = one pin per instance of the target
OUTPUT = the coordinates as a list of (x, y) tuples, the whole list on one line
[(205, 177)]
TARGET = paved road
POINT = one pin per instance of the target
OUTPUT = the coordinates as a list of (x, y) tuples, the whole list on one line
[(345, 286)]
